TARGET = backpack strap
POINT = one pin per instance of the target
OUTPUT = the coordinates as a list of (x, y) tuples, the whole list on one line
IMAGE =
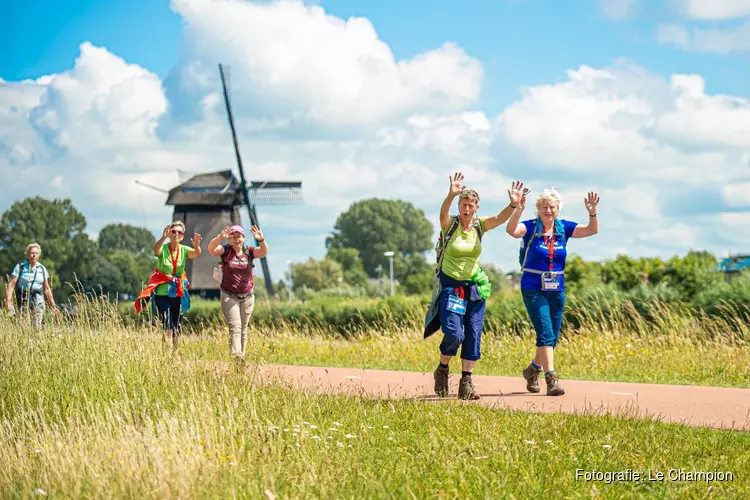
[(448, 235)]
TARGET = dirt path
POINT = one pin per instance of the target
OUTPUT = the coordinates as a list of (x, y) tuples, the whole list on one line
[(716, 407)]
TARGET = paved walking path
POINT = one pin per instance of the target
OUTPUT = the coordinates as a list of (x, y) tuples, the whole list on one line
[(715, 407)]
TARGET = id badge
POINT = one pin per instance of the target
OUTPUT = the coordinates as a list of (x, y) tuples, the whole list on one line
[(456, 304), (550, 282)]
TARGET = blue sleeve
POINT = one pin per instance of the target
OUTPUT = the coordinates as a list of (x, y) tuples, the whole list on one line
[(16, 271), (45, 274), (569, 227), (529, 229)]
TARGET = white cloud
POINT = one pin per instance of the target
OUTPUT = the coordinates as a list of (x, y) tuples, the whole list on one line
[(622, 123), (714, 10), (714, 40), (317, 67), (102, 99), (737, 195), (617, 9)]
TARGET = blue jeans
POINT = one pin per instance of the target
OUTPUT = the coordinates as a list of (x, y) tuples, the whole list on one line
[(461, 330), (546, 313)]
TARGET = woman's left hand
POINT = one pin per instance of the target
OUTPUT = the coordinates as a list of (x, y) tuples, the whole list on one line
[(591, 202), (257, 233), (197, 238)]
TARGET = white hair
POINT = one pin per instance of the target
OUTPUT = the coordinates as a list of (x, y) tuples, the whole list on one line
[(550, 195), (33, 245)]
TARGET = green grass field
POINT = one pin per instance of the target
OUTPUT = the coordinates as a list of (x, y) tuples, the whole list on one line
[(109, 412)]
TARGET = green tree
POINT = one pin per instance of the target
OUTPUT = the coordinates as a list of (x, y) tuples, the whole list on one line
[(58, 228), (136, 240), (622, 272), (580, 274), (315, 274), (354, 271), (692, 273), (374, 226)]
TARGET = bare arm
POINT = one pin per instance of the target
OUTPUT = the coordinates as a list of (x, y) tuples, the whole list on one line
[(48, 293), (499, 219), (513, 227), (590, 229), (9, 293), (262, 249), (445, 209), (455, 189), (515, 194), (160, 242), (196, 250)]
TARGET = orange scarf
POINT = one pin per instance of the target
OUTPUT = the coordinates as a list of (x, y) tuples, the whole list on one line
[(157, 278)]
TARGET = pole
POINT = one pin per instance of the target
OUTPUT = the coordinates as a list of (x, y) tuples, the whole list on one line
[(243, 183), (391, 274)]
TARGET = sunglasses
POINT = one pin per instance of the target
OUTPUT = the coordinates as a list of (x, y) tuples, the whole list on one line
[(177, 231)]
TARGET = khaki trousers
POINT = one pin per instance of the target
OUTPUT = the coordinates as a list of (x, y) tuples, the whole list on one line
[(237, 312)]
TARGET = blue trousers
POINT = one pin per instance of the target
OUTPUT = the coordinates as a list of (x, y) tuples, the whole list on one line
[(461, 330), (546, 313)]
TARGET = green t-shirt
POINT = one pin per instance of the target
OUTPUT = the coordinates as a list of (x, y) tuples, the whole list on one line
[(164, 264), (461, 255)]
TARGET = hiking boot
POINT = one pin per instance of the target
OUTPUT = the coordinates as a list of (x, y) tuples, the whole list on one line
[(466, 389), (531, 375), (441, 381), (553, 385)]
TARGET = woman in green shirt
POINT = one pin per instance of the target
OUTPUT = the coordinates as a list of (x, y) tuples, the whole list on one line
[(461, 302), (171, 259)]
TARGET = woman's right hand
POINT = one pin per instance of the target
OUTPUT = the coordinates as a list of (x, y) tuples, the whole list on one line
[(165, 234), (457, 185), (226, 232)]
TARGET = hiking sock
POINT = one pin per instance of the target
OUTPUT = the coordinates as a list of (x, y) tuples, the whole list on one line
[(466, 374), (547, 374), (441, 365), (536, 366)]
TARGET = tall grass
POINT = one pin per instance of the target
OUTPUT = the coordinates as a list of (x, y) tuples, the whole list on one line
[(98, 410)]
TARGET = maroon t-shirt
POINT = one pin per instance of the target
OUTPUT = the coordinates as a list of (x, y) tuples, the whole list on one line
[(238, 271)]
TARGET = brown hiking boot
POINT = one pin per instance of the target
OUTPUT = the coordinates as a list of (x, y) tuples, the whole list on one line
[(441, 381), (531, 375), (553, 385), (466, 389)]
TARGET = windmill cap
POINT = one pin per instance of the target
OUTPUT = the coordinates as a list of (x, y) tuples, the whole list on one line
[(237, 229)]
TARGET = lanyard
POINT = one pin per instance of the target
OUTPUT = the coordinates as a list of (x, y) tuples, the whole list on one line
[(550, 248), (175, 259)]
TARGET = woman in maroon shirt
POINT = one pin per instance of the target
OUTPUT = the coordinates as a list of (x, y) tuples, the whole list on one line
[(237, 299)]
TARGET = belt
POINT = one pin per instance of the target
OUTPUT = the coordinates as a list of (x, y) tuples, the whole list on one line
[(238, 296), (536, 271)]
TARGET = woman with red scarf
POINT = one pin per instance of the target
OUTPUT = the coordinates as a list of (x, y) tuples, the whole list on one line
[(168, 283)]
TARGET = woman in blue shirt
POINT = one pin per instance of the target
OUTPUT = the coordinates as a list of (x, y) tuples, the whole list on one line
[(543, 254)]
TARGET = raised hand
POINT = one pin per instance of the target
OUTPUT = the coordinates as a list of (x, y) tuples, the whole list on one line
[(457, 184), (197, 238), (257, 233), (226, 232), (591, 202), (165, 234), (515, 193)]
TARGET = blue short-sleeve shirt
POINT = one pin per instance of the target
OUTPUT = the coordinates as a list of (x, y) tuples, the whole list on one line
[(538, 256), (30, 279)]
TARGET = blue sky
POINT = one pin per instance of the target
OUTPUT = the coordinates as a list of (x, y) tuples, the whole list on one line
[(520, 42), (537, 72)]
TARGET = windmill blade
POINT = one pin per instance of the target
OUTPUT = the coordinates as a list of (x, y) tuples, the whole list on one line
[(243, 183), (150, 186)]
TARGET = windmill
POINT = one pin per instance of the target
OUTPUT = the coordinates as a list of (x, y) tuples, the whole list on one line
[(263, 192)]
